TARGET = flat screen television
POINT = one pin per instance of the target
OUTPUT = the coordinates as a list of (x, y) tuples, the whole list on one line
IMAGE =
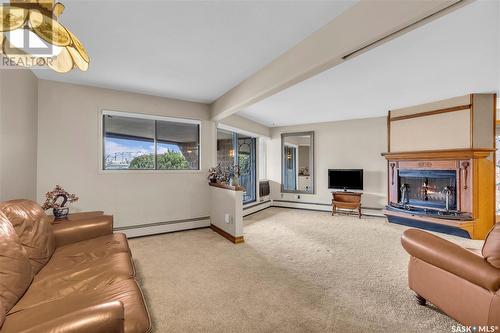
[(345, 179)]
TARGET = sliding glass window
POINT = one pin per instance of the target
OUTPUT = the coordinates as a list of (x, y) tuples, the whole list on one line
[(138, 142)]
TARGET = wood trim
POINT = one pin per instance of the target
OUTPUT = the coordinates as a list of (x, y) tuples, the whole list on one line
[(432, 113), (227, 187), (454, 154), (228, 236)]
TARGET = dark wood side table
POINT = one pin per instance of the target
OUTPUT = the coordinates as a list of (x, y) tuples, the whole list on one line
[(346, 200)]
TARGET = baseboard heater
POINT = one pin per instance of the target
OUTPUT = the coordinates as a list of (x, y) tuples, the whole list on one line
[(257, 207), (164, 227)]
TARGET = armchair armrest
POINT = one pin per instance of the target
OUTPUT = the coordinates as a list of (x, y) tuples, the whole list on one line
[(451, 258), (80, 228), (102, 318)]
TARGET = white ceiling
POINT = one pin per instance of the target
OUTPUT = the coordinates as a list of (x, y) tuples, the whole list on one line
[(192, 50), (451, 56)]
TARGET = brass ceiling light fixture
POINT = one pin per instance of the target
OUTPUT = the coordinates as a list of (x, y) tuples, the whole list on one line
[(30, 35)]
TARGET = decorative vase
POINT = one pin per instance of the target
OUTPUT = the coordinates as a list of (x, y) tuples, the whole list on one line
[(60, 212), (235, 181)]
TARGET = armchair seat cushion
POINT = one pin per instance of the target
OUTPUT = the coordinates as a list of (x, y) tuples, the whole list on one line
[(136, 318), (451, 258), (491, 246), (55, 282)]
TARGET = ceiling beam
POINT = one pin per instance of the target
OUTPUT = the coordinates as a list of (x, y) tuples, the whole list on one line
[(362, 27)]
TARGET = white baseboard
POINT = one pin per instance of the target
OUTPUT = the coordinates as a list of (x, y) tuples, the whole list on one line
[(322, 207), (163, 227), (256, 207)]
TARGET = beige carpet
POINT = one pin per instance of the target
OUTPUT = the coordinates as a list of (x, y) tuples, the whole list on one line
[(298, 271)]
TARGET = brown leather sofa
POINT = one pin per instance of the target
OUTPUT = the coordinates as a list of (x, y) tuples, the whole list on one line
[(463, 284), (72, 276)]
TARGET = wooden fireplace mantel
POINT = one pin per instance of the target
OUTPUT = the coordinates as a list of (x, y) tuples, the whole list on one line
[(449, 154)]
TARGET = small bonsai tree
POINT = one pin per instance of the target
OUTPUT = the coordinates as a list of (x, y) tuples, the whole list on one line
[(56, 193)]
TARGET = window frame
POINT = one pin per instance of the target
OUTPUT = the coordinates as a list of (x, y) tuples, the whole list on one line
[(104, 111)]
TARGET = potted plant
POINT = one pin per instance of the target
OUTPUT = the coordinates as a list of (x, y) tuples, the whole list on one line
[(216, 174), (58, 207), (212, 175)]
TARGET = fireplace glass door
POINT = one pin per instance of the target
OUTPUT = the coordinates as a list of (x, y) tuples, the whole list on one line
[(428, 188)]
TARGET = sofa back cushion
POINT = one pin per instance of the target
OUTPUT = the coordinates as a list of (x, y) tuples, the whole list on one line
[(16, 272), (491, 246), (33, 227)]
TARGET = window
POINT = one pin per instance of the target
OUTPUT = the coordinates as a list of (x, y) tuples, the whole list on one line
[(234, 148), (141, 142)]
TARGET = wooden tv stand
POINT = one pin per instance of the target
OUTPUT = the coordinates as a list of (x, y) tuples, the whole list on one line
[(346, 200)]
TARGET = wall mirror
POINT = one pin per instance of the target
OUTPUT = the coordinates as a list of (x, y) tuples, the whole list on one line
[(297, 162)]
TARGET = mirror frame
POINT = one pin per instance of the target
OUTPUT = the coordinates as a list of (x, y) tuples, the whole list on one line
[(311, 160)]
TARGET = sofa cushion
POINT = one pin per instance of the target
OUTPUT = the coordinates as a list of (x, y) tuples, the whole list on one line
[(82, 254), (491, 246), (54, 283), (15, 269), (33, 228), (126, 291)]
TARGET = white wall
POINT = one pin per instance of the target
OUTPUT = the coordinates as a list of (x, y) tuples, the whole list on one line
[(227, 202), (18, 134), (69, 154), (348, 144)]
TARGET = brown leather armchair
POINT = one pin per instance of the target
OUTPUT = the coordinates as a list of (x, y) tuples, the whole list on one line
[(68, 276), (463, 284)]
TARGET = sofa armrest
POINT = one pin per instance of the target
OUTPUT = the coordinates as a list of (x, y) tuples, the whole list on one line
[(451, 258), (81, 216), (102, 318), (74, 230)]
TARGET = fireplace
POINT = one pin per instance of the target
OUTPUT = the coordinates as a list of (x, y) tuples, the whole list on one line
[(448, 191), (433, 189)]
